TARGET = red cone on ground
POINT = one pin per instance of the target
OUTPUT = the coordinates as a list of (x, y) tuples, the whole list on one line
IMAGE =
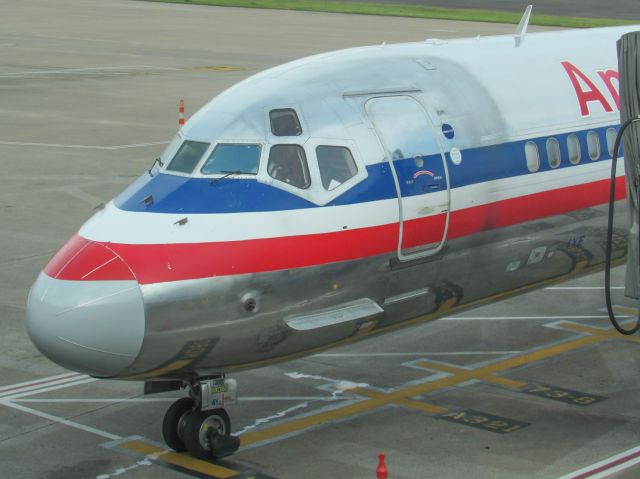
[(381, 471)]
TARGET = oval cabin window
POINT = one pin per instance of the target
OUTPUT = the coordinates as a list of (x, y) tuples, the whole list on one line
[(611, 140), (553, 152), (593, 144), (573, 146), (533, 156)]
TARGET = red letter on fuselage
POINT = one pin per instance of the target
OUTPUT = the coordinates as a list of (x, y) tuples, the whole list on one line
[(607, 76), (585, 96)]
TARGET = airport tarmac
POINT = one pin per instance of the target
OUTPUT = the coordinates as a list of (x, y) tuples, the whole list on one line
[(534, 386)]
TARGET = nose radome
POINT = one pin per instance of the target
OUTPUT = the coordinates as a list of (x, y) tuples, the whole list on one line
[(93, 327)]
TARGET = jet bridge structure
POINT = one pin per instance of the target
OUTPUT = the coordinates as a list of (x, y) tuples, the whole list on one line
[(629, 70)]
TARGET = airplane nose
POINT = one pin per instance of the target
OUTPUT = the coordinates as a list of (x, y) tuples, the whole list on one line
[(93, 327)]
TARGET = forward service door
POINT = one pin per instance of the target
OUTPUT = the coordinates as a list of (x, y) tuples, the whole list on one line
[(420, 173)]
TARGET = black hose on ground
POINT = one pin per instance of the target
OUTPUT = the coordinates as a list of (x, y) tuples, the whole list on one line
[(612, 198)]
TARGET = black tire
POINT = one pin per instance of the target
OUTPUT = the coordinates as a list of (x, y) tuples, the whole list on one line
[(196, 437), (174, 423)]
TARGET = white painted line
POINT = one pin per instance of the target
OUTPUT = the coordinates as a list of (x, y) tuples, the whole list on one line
[(41, 390), (60, 420), (93, 400), (340, 384), (337, 387), (503, 318), (84, 147), (37, 387), (51, 388), (85, 71), (569, 288), (164, 400), (607, 467), (123, 470), (426, 353), (35, 382)]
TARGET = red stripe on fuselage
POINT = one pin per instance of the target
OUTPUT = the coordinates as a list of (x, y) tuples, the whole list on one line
[(157, 263)]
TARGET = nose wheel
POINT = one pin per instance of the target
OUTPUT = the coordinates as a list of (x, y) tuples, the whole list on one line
[(175, 420), (204, 433), (207, 434)]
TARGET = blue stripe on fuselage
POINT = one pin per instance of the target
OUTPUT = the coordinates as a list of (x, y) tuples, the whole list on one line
[(178, 194)]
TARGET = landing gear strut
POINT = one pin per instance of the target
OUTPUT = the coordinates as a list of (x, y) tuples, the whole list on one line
[(195, 423)]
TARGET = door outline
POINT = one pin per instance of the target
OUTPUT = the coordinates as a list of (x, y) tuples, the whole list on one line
[(426, 250)]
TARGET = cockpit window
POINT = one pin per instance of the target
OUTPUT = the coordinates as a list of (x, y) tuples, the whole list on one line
[(237, 158), (336, 165), (171, 149), (188, 156), (284, 122), (288, 163)]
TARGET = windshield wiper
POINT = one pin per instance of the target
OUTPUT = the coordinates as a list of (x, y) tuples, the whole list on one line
[(227, 174), (156, 161)]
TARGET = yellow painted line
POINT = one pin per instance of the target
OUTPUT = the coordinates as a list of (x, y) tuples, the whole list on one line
[(376, 400), (500, 381), (602, 333), (539, 355), (310, 421), (183, 460), (510, 383), (422, 406), (441, 367)]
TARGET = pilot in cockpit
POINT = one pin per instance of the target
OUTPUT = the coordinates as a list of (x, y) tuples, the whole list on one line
[(287, 163)]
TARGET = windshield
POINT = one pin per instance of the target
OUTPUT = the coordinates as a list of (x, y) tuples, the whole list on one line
[(236, 158), (171, 149), (188, 156)]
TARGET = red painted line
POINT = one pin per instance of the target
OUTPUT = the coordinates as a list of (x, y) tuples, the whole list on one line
[(156, 263), (609, 465)]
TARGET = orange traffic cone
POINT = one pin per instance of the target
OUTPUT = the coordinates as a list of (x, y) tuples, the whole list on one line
[(181, 113), (381, 471)]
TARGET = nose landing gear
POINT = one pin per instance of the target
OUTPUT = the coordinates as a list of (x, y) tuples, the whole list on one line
[(174, 423), (196, 425)]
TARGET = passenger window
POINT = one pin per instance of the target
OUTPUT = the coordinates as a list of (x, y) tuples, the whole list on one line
[(188, 156), (573, 145), (233, 158), (285, 122), (611, 140), (336, 165), (593, 144), (553, 152), (288, 163), (533, 156)]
